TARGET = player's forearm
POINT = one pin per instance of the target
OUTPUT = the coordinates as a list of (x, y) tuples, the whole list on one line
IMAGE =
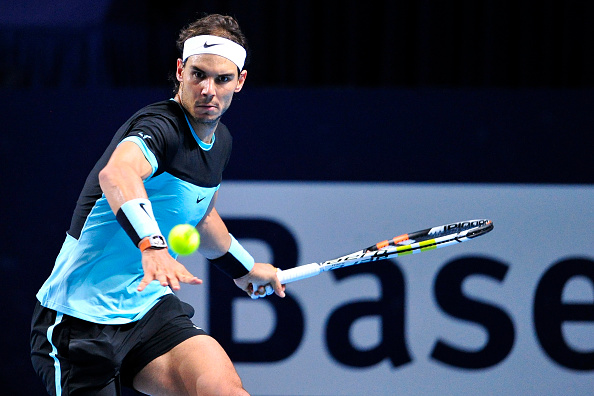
[(214, 236), (122, 178), (120, 184)]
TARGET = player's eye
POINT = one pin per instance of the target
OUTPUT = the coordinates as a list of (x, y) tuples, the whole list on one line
[(224, 79)]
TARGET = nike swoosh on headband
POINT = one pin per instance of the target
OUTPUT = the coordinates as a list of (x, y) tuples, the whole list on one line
[(206, 44)]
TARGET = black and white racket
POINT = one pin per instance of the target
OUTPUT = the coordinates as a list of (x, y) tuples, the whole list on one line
[(411, 243)]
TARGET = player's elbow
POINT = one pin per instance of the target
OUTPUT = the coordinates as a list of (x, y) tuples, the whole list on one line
[(108, 176)]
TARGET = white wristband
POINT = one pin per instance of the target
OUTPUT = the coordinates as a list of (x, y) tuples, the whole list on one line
[(137, 219), (242, 255)]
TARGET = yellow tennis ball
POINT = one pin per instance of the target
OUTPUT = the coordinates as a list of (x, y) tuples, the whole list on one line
[(184, 239)]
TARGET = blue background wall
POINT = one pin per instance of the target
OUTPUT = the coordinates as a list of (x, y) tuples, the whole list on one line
[(489, 92)]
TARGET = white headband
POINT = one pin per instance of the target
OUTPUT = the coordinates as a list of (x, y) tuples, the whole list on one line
[(215, 45)]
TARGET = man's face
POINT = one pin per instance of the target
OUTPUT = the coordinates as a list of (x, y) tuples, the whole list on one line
[(207, 85)]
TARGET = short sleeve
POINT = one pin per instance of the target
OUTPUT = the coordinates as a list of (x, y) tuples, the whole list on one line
[(153, 135)]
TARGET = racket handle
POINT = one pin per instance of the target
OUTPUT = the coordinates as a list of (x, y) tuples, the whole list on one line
[(298, 273)]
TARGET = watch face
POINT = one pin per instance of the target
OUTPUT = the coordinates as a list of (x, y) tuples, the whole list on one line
[(158, 242)]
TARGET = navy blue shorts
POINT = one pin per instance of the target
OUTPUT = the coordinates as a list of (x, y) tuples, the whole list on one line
[(73, 356)]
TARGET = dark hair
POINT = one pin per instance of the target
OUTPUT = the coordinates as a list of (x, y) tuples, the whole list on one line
[(212, 25)]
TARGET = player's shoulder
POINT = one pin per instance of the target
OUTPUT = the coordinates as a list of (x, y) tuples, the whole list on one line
[(224, 140), (222, 131), (165, 116), (164, 109)]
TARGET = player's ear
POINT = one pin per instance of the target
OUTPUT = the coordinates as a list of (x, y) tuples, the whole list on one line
[(179, 70), (241, 80)]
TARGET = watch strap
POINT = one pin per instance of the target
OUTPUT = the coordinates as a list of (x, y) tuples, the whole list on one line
[(152, 242)]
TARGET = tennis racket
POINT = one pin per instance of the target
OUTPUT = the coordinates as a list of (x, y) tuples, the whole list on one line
[(411, 243)]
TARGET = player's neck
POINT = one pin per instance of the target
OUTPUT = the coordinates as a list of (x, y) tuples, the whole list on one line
[(204, 130)]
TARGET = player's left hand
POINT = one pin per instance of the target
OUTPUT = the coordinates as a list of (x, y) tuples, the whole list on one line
[(261, 281)]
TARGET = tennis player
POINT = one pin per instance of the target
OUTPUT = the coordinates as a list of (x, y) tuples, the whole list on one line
[(107, 316)]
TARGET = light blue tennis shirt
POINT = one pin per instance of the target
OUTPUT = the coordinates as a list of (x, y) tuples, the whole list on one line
[(98, 269)]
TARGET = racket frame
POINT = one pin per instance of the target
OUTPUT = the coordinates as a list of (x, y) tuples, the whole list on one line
[(412, 243)]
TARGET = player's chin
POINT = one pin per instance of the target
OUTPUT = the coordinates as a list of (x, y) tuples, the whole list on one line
[(208, 120)]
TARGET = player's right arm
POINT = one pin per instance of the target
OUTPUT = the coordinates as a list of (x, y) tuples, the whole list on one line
[(121, 181), (122, 178)]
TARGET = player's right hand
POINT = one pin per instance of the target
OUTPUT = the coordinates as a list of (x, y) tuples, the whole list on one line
[(158, 265)]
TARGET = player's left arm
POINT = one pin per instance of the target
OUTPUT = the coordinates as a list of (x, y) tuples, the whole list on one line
[(215, 242), (214, 236)]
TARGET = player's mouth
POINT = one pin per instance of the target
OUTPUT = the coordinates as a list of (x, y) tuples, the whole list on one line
[(207, 107)]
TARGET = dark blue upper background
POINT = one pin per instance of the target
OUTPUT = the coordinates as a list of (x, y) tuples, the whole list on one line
[(468, 43)]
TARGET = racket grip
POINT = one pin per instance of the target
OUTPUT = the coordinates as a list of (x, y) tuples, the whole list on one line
[(298, 273)]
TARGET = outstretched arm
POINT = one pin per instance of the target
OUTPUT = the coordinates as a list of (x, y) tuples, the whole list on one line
[(122, 181)]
